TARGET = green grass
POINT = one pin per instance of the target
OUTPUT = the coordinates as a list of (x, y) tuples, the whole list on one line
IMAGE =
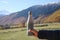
[(20, 33), (15, 34)]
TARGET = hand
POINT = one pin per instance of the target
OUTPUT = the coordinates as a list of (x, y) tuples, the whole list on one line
[(35, 32)]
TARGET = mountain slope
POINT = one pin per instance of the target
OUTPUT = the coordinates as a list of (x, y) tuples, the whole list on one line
[(39, 13), (55, 17), (39, 10)]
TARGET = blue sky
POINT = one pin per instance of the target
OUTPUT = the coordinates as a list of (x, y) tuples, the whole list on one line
[(18, 5)]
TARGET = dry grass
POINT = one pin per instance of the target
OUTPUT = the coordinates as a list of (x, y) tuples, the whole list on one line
[(20, 33)]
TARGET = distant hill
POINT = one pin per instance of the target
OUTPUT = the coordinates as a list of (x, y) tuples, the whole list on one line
[(39, 12), (4, 12)]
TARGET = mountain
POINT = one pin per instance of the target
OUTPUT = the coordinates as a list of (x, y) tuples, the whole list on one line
[(39, 12), (4, 12), (55, 17), (1, 15)]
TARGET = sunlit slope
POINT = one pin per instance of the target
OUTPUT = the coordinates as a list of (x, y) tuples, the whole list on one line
[(55, 17)]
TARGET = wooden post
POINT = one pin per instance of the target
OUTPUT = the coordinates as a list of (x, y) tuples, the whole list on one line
[(30, 23)]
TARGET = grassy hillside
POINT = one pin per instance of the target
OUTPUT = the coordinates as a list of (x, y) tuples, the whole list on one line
[(55, 17), (20, 33)]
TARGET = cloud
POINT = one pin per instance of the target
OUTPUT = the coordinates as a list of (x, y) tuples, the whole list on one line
[(5, 2), (53, 2)]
